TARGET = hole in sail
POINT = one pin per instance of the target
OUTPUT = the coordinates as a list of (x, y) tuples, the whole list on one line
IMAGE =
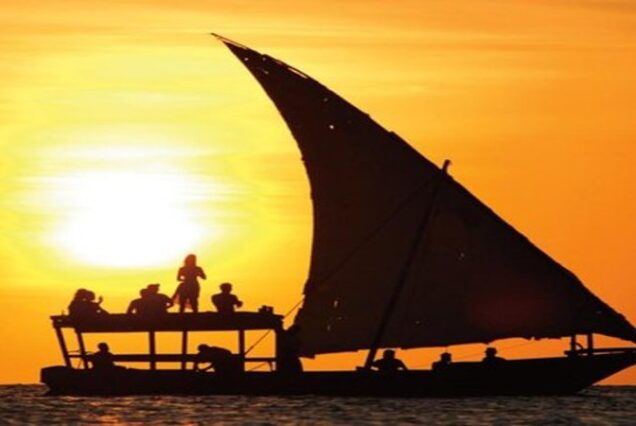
[(264, 71), (245, 58), (325, 99), (461, 256), (335, 303), (328, 327), (298, 73), (331, 127)]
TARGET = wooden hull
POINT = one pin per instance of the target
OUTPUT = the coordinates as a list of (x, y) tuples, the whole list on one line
[(546, 376)]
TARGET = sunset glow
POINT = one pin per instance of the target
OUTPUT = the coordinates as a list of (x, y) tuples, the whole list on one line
[(130, 138), (126, 218)]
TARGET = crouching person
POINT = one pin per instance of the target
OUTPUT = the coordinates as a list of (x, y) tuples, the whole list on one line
[(221, 360)]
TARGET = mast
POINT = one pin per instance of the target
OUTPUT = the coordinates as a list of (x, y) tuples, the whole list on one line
[(404, 273)]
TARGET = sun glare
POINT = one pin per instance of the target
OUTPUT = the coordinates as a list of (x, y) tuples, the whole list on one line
[(126, 219)]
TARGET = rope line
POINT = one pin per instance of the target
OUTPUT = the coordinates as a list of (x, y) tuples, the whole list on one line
[(260, 339)]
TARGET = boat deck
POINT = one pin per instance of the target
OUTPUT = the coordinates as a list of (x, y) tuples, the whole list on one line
[(239, 322), (202, 321)]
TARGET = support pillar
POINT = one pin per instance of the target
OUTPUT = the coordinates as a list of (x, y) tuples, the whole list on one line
[(152, 349), (573, 344), (184, 348), (241, 348), (62, 343), (590, 344), (82, 349)]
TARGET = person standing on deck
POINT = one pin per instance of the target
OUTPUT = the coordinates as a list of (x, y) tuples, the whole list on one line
[(188, 290)]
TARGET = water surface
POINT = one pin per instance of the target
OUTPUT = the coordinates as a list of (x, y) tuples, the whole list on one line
[(600, 405)]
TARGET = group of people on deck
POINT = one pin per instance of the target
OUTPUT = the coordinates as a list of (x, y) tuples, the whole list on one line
[(390, 364), (151, 303)]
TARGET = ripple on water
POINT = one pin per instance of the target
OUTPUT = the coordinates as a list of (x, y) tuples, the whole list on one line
[(602, 405)]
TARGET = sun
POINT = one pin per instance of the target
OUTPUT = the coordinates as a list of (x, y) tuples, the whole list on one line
[(127, 218)]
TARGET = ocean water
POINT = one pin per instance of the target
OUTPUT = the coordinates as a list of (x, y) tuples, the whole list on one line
[(600, 405)]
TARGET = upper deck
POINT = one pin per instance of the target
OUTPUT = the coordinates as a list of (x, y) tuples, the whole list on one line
[(202, 321)]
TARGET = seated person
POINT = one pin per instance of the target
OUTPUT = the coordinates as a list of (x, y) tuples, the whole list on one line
[(102, 359), (225, 301), (158, 303), (77, 306), (445, 359), (388, 363), (491, 357), (220, 359), (151, 304), (138, 306), (84, 306)]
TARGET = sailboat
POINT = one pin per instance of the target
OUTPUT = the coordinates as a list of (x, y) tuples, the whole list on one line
[(403, 256)]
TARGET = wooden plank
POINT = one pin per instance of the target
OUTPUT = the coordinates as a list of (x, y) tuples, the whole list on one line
[(169, 358), (203, 321)]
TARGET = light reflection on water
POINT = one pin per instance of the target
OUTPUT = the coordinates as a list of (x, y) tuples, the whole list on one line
[(606, 405)]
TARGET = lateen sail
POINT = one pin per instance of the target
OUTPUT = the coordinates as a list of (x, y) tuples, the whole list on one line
[(474, 278)]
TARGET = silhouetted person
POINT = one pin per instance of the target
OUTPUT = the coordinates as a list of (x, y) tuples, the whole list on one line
[(225, 301), (102, 359), (445, 359), (139, 306), (491, 357), (389, 363), (220, 359), (77, 306), (187, 292), (84, 306), (288, 352), (152, 305), (157, 303)]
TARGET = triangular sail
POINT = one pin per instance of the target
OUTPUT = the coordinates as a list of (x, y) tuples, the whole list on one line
[(473, 278)]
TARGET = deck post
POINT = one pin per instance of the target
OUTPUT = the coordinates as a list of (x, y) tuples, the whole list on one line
[(590, 344), (82, 348), (184, 348), (152, 349), (573, 343), (241, 348), (62, 342)]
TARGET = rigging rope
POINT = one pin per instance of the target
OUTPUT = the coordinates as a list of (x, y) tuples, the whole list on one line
[(260, 339)]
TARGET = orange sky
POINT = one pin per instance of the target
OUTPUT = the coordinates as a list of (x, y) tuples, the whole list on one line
[(534, 101)]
